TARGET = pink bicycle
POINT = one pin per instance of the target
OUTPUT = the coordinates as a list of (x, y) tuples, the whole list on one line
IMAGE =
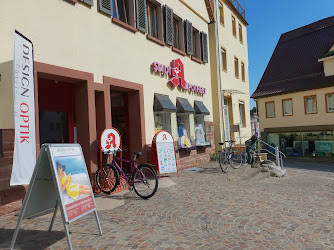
[(141, 178)]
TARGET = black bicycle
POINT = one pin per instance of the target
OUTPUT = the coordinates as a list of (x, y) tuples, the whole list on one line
[(229, 157)]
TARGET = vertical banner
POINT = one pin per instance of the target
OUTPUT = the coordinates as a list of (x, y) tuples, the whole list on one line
[(24, 158)]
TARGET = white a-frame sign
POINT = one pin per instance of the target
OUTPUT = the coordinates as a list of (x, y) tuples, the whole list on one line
[(60, 179)]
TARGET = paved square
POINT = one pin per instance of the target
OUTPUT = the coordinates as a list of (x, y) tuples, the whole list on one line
[(204, 210)]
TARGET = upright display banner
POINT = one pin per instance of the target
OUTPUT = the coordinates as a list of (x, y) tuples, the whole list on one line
[(24, 158)]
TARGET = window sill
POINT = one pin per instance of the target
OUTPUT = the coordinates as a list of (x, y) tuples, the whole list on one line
[(196, 60), (155, 40), (179, 51), (72, 1), (207, 145), (124, 25), (186, 149)]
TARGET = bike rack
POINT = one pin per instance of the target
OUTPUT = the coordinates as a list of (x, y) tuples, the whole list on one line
[(278, 154)]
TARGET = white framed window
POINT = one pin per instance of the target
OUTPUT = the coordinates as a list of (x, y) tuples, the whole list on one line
[(310, 103), (287, 107), (242, 114), (221, 13), (183, 128), (236, 67), (224, 60), (270, 109), (240, 33), (234, 27), (200, 132), (330, 102), (162, 121)]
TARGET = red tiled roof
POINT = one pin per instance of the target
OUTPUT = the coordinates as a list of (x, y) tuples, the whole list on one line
[(294, 64)]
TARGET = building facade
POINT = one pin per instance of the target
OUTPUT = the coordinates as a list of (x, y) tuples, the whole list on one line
[(295, 97), (139, 66), (229, 67)]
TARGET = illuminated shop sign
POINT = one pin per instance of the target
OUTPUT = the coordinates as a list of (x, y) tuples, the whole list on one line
[(176, 76)]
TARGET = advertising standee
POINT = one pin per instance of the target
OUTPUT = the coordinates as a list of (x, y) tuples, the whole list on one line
[(60, 180)]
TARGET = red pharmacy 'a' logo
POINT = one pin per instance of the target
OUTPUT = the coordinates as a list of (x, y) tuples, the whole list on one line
[(110, 140), (164, 137)]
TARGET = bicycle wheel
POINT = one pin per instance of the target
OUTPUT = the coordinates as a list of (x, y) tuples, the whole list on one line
[(145, 181), (235, 159), (109, 179), (222, 162)]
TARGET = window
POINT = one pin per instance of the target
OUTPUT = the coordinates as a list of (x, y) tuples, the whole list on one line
[(270, 109), (151, 19), (183, 128), (224, 62), (121, 10), (240, 33), (234, 27), (310, 103), (242, 71), (221, 14), (162, 121), (287, 107), (330, 102), (200, 135), (236, 67), (242, 114), (196, 44)]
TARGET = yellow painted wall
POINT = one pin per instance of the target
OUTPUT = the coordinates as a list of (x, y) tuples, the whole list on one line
[(299, 118), (234, 48), (79, 37)]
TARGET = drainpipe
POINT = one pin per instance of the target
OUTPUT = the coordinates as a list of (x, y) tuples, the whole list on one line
[(219, 71)]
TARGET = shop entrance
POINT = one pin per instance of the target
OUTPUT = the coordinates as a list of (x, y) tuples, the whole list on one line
[(56, 101)]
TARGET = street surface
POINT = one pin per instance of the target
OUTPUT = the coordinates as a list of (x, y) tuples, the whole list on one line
[(203, 210)]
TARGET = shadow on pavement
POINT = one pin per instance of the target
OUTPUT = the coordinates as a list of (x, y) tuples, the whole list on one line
[(30, 239), (309, 163)]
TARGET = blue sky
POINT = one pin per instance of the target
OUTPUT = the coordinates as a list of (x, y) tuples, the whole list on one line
[(268, 19)]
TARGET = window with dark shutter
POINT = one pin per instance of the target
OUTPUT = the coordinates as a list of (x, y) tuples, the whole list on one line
[(189, 37), (105, 6), (141, 15), (204, 43), (121, 10), (169, 39), (89, 2)]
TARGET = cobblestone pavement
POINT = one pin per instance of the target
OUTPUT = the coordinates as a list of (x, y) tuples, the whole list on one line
[(204, 210)]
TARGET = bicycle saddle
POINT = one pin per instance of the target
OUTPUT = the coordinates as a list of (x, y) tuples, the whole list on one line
[(137, 154)]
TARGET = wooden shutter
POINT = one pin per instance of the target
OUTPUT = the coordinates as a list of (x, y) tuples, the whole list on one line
[(141, 15), (105, 6), (204, 47), (169, 38), (189, 37), (89, 2)]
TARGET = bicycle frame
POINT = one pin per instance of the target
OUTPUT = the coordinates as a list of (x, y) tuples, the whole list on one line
[(132, 168)]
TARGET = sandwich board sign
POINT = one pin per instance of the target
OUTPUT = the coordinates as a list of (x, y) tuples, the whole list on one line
[(163, 153), (60, 179)]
